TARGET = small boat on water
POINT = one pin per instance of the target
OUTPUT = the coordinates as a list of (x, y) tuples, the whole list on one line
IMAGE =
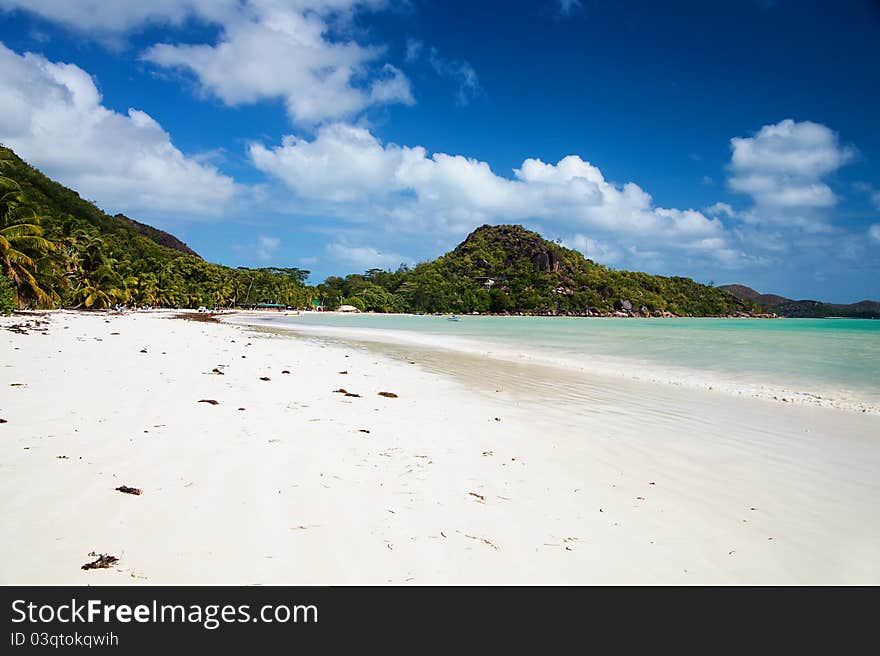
[(453, 317)]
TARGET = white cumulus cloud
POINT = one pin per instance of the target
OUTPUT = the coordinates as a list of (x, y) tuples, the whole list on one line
[(51, 114), (593, 248), (266, 50), (347, 171), (783, 168), (276, 50)]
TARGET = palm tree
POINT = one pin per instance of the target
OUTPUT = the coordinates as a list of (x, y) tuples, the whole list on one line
[(22, 244), (100, 288), (148, 288), (90, 295)]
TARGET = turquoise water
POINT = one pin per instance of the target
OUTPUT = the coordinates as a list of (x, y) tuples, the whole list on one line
[(833, 358)]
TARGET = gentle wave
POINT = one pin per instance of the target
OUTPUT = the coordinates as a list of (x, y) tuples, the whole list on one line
[(815, 362)]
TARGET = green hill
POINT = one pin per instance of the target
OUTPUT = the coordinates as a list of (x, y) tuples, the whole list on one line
[(507, 268), (58, 249), (61, 250)]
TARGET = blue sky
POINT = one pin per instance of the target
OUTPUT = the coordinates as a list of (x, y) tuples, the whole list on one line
[(730, 142)]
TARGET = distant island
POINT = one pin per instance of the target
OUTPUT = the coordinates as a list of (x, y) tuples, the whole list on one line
[(787, 307), (59, 250)]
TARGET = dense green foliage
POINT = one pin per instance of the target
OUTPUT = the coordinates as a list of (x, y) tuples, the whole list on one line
[(58, 249), (528, 274), (61, 250), (7, 295)]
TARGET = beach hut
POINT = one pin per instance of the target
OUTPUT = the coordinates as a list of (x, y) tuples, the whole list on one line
[(348, 308)]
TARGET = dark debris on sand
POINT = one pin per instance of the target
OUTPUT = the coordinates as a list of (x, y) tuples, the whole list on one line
[(26, 327), (102, 561), (388, 395), (130, 490), (342, 390), (211, 401), (204, 317)]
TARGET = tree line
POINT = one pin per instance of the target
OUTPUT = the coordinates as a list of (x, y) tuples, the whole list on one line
[(59, 250)]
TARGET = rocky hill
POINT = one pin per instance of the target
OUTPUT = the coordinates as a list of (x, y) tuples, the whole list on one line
[(154, 234), (508, 269)]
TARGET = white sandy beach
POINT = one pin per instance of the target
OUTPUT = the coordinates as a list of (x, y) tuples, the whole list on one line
[(472, 476)]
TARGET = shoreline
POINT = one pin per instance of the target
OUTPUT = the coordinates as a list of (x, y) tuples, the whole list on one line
[(609, 368), (490, 475)]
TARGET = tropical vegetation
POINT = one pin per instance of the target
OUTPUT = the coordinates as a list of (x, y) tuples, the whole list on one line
[(7, 295), (60, 250), (508, 269)]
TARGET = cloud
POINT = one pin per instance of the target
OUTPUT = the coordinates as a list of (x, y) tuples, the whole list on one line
[(414, 49), (874, 232), (872, 192), (789, 231), (102, 17), (459, 71), (593, 249), (269, 51), (345, 171), (720, 209), (783, 168), (365, 257), (266, 247), (266, 50), (51, 114), (566, 7)]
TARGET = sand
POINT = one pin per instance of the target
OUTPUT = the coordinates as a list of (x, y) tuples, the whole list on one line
[(478, 472)]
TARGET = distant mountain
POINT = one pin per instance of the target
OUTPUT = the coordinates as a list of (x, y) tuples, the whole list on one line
[(508, 269), (749, 294), (159, 236), (787, 307)]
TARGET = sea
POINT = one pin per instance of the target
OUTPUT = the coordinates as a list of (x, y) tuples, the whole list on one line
[(820, 361)]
